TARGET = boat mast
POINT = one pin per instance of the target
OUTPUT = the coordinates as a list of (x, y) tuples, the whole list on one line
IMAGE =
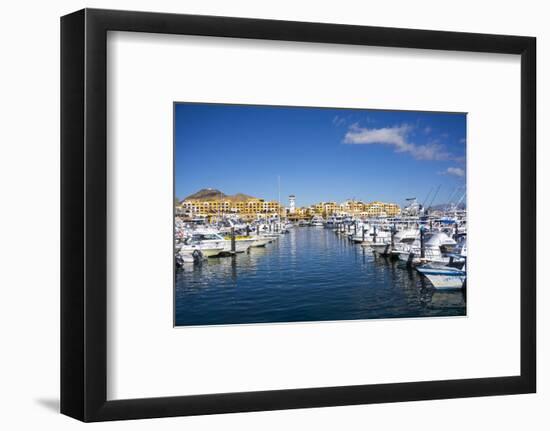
[(434, 196)]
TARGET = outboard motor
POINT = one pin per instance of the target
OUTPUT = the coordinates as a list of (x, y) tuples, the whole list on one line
[(198, 256)]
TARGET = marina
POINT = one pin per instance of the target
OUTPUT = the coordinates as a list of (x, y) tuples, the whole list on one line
[(302, 214), (271, 270)]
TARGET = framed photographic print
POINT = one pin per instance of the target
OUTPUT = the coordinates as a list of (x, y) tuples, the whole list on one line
[(262, 215)]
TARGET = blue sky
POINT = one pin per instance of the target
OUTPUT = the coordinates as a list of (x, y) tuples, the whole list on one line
[(320, 154)]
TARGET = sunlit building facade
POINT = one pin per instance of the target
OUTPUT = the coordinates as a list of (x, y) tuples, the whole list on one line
[(255, 208), (250, 208)]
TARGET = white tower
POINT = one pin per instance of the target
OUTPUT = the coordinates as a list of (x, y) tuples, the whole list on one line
[(292, 204)]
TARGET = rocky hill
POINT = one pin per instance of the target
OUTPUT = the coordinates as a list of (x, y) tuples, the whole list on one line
[(215, 195)]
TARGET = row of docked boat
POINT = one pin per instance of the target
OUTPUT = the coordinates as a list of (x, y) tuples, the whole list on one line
[(195, 242), (436, 248)]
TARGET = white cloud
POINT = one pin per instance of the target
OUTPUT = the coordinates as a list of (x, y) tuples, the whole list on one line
[(388, 135), (457, 172), (397, 137)]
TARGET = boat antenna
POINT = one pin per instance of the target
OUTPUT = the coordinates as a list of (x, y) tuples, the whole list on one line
[(461, 199), (454, 194), (427, 197), (434, 196)]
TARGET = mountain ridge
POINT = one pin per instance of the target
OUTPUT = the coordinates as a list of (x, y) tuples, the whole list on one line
[(210, 194)]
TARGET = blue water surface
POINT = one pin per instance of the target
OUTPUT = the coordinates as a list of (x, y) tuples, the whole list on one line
[(310, 274)]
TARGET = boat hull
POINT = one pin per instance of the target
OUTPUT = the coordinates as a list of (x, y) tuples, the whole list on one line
[(241, 245), (381, 249), (186, 257), (444, 278), (211, 252), (260, 242), (206, 250)]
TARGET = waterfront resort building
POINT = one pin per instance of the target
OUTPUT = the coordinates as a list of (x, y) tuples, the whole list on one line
[(356, 209), (247, 209), (251, 208)]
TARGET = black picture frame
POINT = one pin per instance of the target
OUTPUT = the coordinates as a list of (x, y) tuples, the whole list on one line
[(84, 214)]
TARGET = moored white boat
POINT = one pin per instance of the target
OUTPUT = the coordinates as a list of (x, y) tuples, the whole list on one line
[(381, 248), (188, 255), (441, 240), (210, 239), (241, 244), (443, 277), (380, 237), (434, 244), (207, 250), (317, 221)]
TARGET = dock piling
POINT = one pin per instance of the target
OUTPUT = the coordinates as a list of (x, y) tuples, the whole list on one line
[(422, 247), (233, 241)]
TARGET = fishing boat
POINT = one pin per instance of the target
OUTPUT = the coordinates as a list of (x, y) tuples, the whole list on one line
[(413, 254), (402, 240), (242, 243), (441, 239), (356, 230), (376, 236), (333, 221), (443, 277), (206, 249), (406, 236), (433, 250), (210, 238), (317, 221)]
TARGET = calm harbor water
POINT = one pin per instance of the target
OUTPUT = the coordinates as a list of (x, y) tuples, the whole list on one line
[(310, 274)]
